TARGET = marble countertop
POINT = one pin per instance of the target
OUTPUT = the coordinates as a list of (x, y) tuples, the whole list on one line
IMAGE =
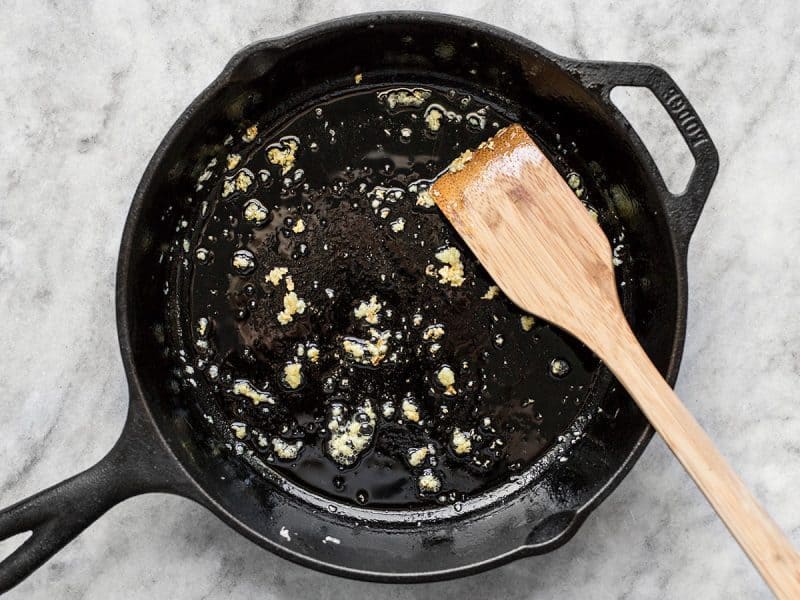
[(87, 93)]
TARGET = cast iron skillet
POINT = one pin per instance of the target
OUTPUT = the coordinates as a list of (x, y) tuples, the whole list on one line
[(161, 448)]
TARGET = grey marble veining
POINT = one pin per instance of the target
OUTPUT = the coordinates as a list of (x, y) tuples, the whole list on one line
[(88, 90)]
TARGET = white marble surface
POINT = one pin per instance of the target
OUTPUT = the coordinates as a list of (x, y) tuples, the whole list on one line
[(86, 93)]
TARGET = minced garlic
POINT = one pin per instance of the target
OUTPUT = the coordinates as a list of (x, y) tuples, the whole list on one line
[(446, 377), (461, 441), (243, 262), (378, 346), (350, 438), (243, 180), (292, 305), (276, 274), (527, 322), (433, 118), (255, 212), (428, 482), (300, 226), (453, 271), (313, 354), (372, 351), (436, 113), (202, 326), (286, 450), (283, 154), (416, 456), (433, 332), (410, 410), (250, 134), (460, 162), (404, 97), (559, 367), (242, 387), (369, 310), (233, 161), (228, 187), (355, 348), (293, 375), (491, 293), (425, 199)]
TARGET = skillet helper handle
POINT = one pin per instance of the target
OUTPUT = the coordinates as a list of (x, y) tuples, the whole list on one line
[(683, 209), (762, 540), (55, 516)]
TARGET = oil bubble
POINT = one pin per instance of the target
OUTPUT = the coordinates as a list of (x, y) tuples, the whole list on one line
[(203, 256), (243, 262), (559, 368)]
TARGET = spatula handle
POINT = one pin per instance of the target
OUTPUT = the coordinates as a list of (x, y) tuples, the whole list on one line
[(757, 534)]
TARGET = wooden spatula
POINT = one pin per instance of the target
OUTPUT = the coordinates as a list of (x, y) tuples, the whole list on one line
[(548, 255)]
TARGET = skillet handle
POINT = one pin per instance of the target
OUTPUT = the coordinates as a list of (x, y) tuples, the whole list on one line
[(682, 210), (135, 465)]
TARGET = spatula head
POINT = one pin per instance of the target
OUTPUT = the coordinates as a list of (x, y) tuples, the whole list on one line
[(531, 233)]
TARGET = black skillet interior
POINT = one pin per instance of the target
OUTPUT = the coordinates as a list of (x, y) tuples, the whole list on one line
[(534, 512)]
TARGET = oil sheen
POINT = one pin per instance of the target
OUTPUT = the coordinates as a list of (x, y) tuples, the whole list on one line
[(347, 336)]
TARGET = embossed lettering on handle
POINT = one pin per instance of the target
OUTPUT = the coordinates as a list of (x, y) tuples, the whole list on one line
[(685, 117)]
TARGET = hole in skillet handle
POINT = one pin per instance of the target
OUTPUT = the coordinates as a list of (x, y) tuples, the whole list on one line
[(682, 210), (651, 121), (10, 544)]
